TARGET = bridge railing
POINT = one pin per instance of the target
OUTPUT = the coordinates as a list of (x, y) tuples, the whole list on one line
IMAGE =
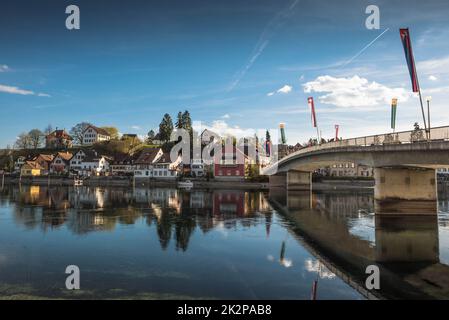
[(403, 137)]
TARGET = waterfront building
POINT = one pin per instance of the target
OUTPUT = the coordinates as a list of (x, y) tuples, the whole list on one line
[(230, 165), (122, 165), (143, 166), (165, 168), (61, 163), (44, 161), (31, 169)]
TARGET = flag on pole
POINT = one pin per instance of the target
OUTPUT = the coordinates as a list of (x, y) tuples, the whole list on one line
[(394, 104), (336, 131), (283, 138), (406, 42), (268, 148), (312, 110)]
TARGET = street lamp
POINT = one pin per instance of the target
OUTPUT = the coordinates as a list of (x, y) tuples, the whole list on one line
[(428, 99)]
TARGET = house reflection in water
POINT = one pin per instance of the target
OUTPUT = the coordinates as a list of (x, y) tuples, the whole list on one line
[(175, 214)]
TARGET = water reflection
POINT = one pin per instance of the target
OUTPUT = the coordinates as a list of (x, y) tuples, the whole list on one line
[(228, 243), (347, 233), (175, 214)]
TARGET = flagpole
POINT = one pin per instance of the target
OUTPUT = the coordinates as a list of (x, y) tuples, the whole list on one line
[(423, 114)]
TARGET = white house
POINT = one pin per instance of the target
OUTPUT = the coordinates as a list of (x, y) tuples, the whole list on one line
[(94, 134), (20, 161), (145, 162), (197, 168), (165, 168), (89, 162)]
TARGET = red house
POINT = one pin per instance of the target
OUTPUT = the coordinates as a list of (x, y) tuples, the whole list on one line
[(230, 164)]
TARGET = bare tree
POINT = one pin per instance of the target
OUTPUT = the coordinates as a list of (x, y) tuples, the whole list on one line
[(48, 129), (77, 132), (36, 138), (23, 141)]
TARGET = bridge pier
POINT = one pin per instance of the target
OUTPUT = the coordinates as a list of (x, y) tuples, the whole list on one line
[(405, 191), (292, 180)]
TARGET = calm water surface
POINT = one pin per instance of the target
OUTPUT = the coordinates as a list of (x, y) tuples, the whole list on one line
[(167, 243)]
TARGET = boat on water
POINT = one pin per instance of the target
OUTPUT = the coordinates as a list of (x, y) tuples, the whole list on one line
[(185, 184)]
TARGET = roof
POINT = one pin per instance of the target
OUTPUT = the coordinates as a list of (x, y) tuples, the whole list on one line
[(98, 130), (129, 135), (60, 134), (91, 156), (66, 156), (46, 157), (165, 158), (123, 159), (147, 156), (33, 165)]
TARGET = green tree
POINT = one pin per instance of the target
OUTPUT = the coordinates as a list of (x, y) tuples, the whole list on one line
[(113, 132), (268, 136), (150, 137), (36, 138), (166, 128), (186, 121), (180, 121)]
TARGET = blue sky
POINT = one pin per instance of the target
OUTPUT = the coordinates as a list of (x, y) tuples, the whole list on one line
[(235, 65)]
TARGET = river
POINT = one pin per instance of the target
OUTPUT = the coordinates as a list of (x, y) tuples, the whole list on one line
[(222, 244)]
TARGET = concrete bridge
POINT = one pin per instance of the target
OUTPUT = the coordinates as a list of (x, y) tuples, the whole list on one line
[(404, 167)]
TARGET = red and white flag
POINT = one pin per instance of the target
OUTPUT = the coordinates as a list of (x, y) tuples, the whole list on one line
[(406, 42), (312, 110)]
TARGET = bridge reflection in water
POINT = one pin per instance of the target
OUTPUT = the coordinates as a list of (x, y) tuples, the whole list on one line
[(341, 229)]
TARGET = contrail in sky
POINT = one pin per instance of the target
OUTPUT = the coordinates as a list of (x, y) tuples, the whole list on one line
[(363, 50), (270, 30)]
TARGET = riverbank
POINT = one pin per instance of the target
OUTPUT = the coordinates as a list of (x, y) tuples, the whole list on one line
[(198, 183), (130, 182)]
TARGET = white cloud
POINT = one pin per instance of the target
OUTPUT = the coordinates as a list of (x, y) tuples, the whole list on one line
[(135, 127), (284, 90), (434, 66), (433, 78), (226, 116), (15, 90), (354, 91), (23, 92), (4, 68), (223, 129)]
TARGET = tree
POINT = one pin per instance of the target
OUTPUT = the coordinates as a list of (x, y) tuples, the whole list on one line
[(417, 133), (77, 132), (268, 136), (166, 128), (179, 122), (48, 130), (113, 132), (36, 138), (186, 121), (23, 141), (151, 136)]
